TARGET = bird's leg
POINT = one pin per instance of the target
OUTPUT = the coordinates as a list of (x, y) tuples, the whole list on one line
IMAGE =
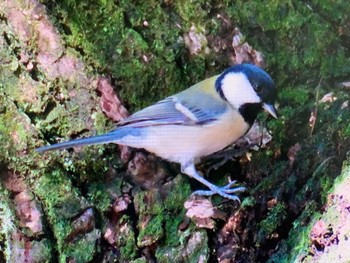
[(226, 191), (224, 156)]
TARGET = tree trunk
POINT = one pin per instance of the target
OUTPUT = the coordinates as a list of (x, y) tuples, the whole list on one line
[(71, 69)]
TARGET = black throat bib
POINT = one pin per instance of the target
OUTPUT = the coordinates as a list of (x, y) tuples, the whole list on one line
[(249, 111)]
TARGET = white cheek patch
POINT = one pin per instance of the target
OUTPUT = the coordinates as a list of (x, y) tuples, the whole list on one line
[(238, 90)]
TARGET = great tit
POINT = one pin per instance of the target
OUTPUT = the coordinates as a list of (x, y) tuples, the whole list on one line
[(196, 122)]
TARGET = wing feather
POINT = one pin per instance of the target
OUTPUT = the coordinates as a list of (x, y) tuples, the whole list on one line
[(168, 111), (197, 105)]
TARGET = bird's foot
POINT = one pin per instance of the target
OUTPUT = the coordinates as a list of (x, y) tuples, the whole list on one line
[(226, 191)]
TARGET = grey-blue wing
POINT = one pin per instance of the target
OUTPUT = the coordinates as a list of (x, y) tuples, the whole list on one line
[(181, 109), (170, 111)]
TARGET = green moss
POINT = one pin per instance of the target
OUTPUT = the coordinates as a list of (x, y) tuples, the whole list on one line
[(192, 247), (128, 252), (152, 232), (298, 242), (175, 237), (273, 176), (133, 38), (139, 260), (272, 222), (98, 27), (299, 38), (100, 122), (173, 244), (139, 44), (198, 250), (177, 195), (41, 251), (150, 206), (7, 225), (295, 96), (126, 240), (82, 250), (102, 193), (160, 214), (248, 202), (15, 131), (61, 205)]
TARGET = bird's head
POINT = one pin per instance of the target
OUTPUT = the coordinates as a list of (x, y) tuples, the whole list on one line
[(247, 88)]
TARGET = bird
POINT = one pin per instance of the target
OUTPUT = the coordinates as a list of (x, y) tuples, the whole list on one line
[(197, 122)]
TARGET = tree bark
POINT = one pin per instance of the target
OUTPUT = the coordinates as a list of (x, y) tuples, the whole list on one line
[(70, 69)]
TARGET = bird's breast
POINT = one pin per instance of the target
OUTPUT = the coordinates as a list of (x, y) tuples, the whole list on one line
[(179, 143)]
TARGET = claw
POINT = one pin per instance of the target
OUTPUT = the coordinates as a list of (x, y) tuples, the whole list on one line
[(236, 190), (229, 184), (210, 193), (225, 191)]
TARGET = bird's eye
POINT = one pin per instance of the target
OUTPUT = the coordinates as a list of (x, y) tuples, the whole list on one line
[(257, 88)]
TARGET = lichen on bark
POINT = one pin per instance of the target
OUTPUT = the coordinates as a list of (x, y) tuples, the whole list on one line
[(62, 62)]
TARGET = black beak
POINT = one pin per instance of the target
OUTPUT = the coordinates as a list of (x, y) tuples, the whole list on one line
[(270, 108)]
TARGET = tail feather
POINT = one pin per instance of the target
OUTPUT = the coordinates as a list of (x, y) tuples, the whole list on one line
[(100, 139)]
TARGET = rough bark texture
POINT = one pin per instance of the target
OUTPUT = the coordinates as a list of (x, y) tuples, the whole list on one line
[(71, 68)]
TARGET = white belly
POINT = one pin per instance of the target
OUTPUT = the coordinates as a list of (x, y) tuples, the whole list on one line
[(186, 143)]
